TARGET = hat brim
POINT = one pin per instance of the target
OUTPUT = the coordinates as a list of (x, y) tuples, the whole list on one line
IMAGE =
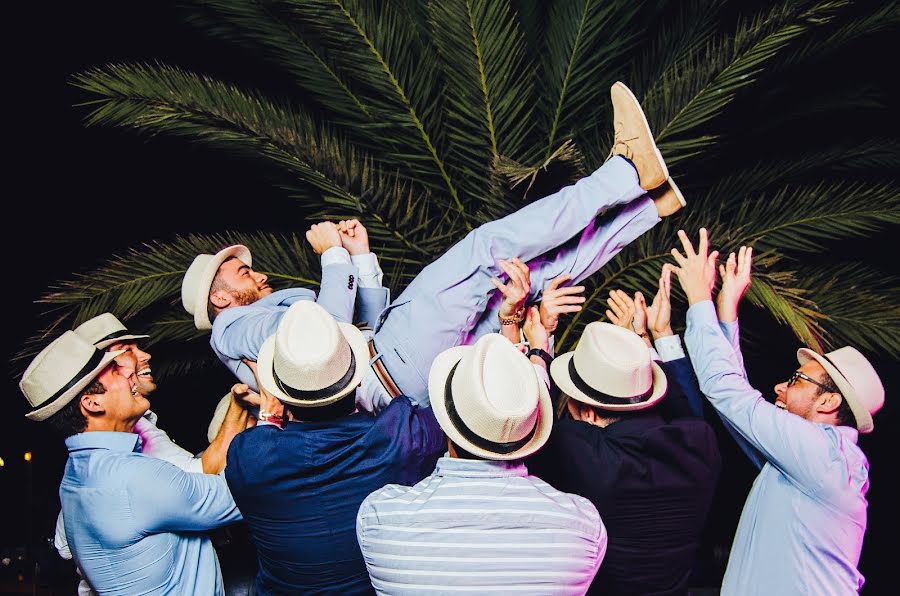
[(46, 410), (864, 422), (358, 345), (559, 370), (102, 345), (218, 417), (437, 384), (204, 283)]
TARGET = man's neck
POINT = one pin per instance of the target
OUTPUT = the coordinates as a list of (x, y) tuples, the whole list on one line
[(108, 425)]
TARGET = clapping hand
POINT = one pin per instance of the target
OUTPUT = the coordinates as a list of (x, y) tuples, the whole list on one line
[(659, 313), (625, 312)]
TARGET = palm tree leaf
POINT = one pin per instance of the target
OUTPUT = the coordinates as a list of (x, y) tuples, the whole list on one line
[(382, 49), (586, 46), (269, 28), (489, 89), (145, 281), (694, 91)]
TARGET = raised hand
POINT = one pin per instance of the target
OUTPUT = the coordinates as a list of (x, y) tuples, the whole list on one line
[(354, 236), (696, 270), (516, 290), (322, 236), (659, 313), (556, 301), (535, 332), (621, 309), (244, 396), (735, 281)]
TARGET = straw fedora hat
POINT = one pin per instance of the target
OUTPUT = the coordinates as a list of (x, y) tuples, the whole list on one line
[(60, 372), (105, 330), (199, 278), (611, 369), (489, 400), (312, 360), (855, 378)]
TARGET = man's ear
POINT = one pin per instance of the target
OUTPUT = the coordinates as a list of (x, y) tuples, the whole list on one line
[(829, 402), (220, 299), (92, 404)]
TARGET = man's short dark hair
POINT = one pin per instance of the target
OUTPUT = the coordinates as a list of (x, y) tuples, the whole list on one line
[(216, 286), (70, 420), (342, 407), (844, 414)]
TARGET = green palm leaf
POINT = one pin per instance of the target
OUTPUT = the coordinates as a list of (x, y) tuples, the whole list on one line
[(489, 80)]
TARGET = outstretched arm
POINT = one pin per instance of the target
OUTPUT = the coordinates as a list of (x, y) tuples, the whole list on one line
[(787, 441)]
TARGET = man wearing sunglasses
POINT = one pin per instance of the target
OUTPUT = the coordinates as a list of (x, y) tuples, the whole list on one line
[(802, 527)]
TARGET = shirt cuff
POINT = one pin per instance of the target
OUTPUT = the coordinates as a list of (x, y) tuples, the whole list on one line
[(370, 274), (669, 348), (336, 255), (542, 374)]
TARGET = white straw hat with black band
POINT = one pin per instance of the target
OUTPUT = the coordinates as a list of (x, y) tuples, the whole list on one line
[(312, 360), (489, 400), (60, 372), (610, 368), (105, 330), (855, 378), (198, 280)]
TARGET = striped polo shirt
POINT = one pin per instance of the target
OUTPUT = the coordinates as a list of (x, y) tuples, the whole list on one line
[(479, 527)]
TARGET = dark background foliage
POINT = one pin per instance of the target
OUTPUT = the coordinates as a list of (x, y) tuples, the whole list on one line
[(80, 194)]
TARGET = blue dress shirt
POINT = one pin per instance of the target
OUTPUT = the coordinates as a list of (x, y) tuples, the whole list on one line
[(802, 527), (134, 523), (300, 489)]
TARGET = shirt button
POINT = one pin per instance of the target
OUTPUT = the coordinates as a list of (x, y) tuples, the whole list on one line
[(350, 283)]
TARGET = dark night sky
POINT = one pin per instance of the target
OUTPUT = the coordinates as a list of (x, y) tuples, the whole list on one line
[(81, 194)]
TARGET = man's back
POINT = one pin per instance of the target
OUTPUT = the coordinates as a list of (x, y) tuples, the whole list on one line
[(133, 521), (300, 489), (653, 482), (481, 525)]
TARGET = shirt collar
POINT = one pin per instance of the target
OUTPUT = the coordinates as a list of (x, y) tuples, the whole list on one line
[(113, 441), (473, 468)]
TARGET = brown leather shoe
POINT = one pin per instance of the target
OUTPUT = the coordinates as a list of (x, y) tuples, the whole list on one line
[(634, 139), (668, 198)]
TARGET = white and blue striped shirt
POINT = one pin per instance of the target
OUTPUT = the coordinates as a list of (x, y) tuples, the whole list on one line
[(480, 527)]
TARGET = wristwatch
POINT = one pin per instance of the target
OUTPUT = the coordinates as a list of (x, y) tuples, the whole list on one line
[(542, 354)]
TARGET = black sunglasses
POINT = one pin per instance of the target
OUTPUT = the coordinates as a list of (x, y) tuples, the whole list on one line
[(799, 375)]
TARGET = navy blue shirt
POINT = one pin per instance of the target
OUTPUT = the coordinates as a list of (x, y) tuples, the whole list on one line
[(651, 476), (299, 490)]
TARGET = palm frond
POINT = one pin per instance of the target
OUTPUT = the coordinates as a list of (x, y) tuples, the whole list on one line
[(269, 29), (873, 18), (698, 89), (375, 42), (145, 281), (489, 90), (805, 218), (586, 46), (860, 306)]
